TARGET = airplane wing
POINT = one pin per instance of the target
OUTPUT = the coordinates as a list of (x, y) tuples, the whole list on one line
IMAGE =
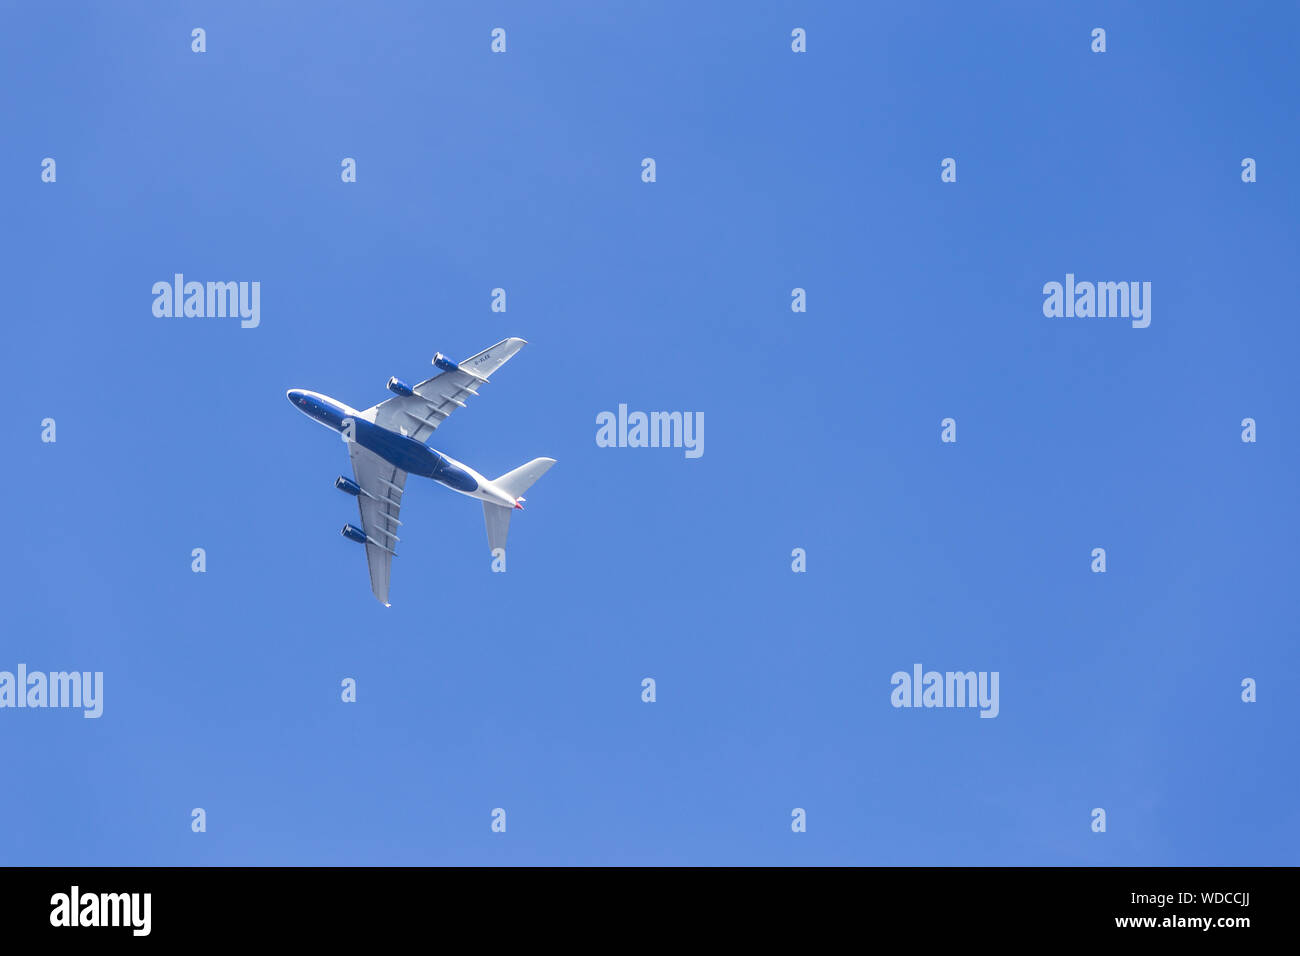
[(434, 399), (380, 500)]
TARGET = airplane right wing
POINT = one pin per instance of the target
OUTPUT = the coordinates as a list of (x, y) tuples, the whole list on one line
[(380, 500)]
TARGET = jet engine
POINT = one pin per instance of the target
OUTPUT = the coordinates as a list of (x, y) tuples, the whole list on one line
[(354, 534), (444, 363), (399, 387), (348, 485)]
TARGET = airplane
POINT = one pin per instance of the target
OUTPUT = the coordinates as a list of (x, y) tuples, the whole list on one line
[(387, 443)]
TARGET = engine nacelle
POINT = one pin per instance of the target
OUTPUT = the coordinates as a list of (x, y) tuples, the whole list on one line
[(348, 485), (397, 386), (354, 534), (444, 363)]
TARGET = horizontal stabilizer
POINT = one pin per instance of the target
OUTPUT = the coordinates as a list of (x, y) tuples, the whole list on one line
[(515, 483), (497, 518)]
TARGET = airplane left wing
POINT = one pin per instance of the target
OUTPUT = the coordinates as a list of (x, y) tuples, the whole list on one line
[(380, 500), (419, 413)]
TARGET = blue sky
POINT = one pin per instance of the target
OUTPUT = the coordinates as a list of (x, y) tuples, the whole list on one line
[(775, 170)]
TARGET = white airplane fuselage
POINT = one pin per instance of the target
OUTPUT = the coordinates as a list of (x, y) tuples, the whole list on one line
[(401, 451)]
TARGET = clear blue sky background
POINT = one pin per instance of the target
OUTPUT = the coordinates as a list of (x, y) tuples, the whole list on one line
[(775, 170)]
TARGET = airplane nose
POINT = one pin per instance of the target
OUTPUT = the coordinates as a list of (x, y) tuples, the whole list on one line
[(292, 395)]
